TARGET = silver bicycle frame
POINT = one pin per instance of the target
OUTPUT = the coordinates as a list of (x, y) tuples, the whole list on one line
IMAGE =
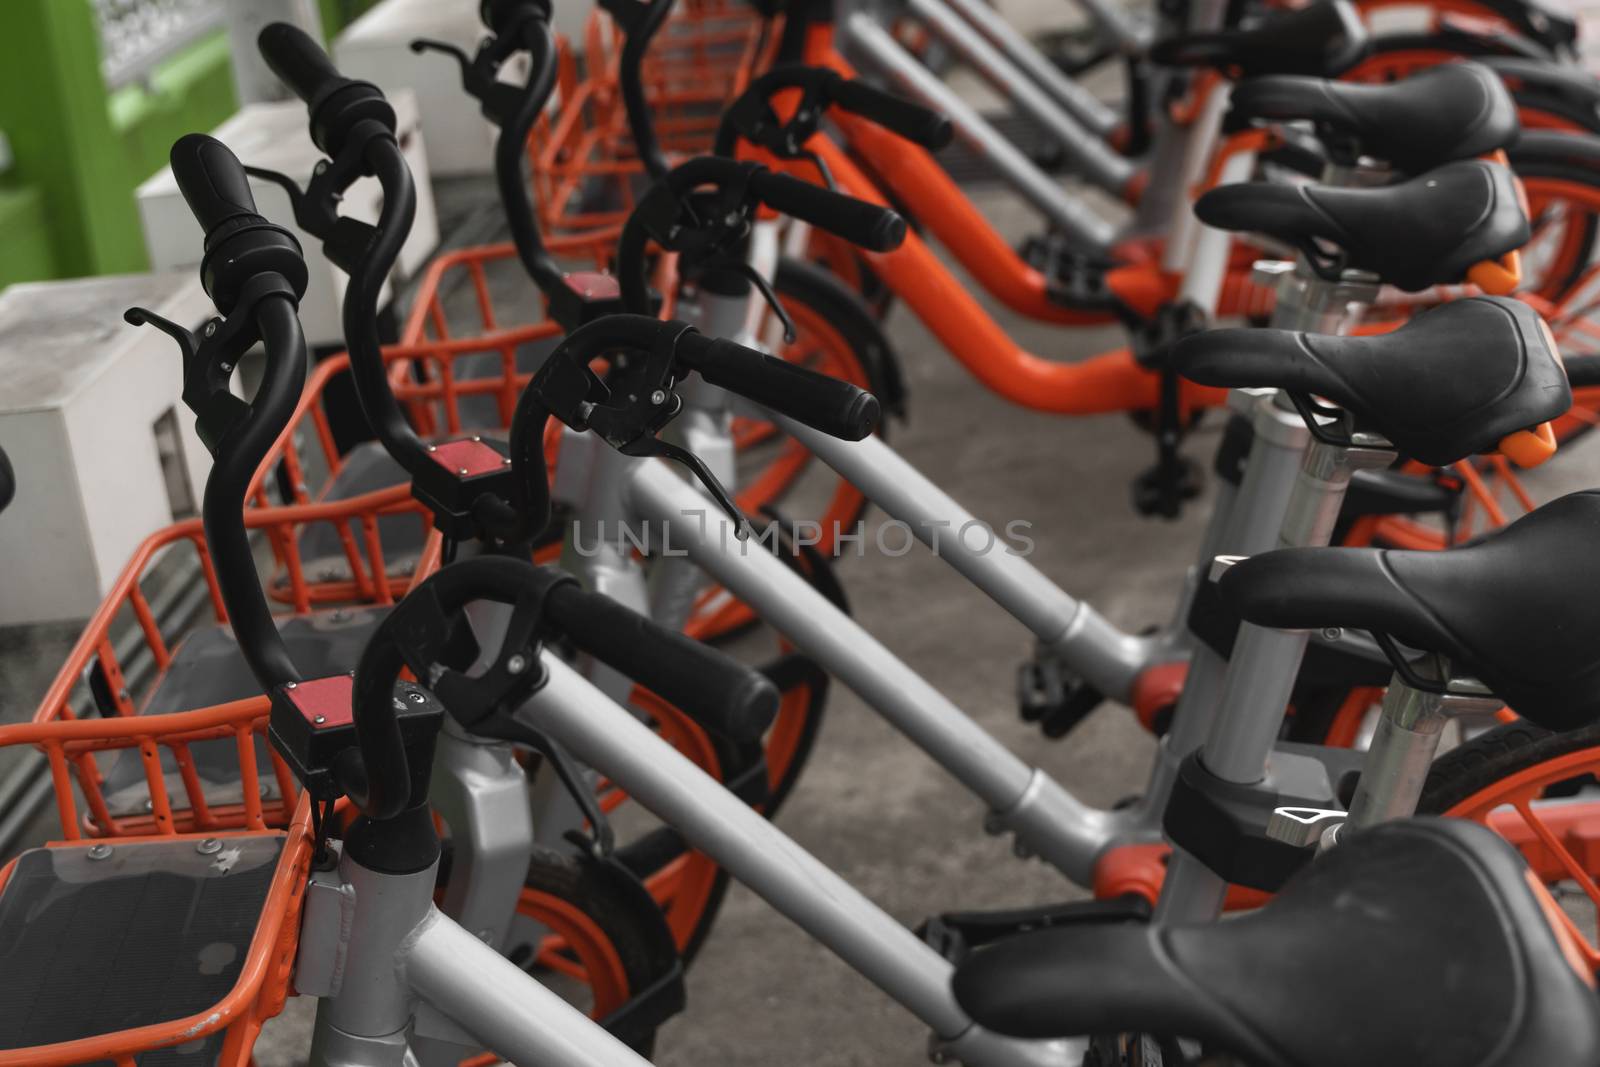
[(865, 41), (391, 970), (1086, 148), (1063, 90), (758, 854)]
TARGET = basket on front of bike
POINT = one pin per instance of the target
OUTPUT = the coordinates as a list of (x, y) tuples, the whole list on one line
[(172, 945), (586, 173)]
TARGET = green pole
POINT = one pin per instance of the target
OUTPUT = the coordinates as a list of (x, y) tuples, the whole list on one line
[(53, 108)]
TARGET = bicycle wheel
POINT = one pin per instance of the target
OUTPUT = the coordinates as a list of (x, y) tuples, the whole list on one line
[(602, 941), (1536, 789)]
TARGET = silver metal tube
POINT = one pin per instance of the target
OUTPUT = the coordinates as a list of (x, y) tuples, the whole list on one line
[(496, 1002), (870, 42), (785, 601), (1087, 154), (1396, 767), (1066, 93), (1107, 657), (758, 854), (1199, 141)]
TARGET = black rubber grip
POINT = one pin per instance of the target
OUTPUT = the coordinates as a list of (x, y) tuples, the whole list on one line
[(875, 228), (835, 407), (724, 696), (298, 61), (1583, 372), (914, 122), (212, 180)]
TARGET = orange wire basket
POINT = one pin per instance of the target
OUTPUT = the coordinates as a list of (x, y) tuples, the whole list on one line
[(586, 174), (147, 888)]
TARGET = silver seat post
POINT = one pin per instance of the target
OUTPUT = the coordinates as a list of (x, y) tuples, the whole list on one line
[(1248, 519), (1408, 733), (1262, 670)]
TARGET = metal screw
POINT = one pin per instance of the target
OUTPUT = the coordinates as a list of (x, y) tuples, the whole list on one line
[(506, 462), (416, 697), (462, 471), (517, 664), (211, 328), (433, 448), (1332, 633), (226, 368), (322, 166), (477, 439), (99, 852), (209, 847), (658, 397), (149, 805), (291, 685), (319, 720)]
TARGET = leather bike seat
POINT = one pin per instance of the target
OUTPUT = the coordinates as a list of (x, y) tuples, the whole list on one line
[(1418, 943), (1510, 609), (1429, 230), (1450, 383), (1445, 113), (1320, 39)]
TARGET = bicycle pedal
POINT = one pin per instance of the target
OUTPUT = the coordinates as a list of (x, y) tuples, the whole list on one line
[(1054, 698), (1162, 490), (954, 934)]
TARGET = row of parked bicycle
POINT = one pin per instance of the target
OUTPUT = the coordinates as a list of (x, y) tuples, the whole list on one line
[(444, 653)]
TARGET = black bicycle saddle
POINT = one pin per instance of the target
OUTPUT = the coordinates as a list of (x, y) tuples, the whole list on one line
[(1452, 382), (1513, 610), (1445, 113), (1430, 230), (1416, 943), (1320, 39)]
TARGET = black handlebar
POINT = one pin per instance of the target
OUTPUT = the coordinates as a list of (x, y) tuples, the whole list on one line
[(544, 601), (722, 695), (339, 106), (735, 184), (255, 274), (299, 62), (831, 405), (212, 181), (639, 30), (753, 116), (875, 228), (914, 122)]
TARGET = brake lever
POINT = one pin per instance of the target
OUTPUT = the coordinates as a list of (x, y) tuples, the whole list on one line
[(315, 207), (499, 101), (628, 417), (208, 359)]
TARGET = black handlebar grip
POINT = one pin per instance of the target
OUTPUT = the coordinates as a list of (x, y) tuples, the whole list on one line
[(1583, 372), (298, 61), (835, 407), (875, 228), (725, 697), (914, 122), (212, 181)]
